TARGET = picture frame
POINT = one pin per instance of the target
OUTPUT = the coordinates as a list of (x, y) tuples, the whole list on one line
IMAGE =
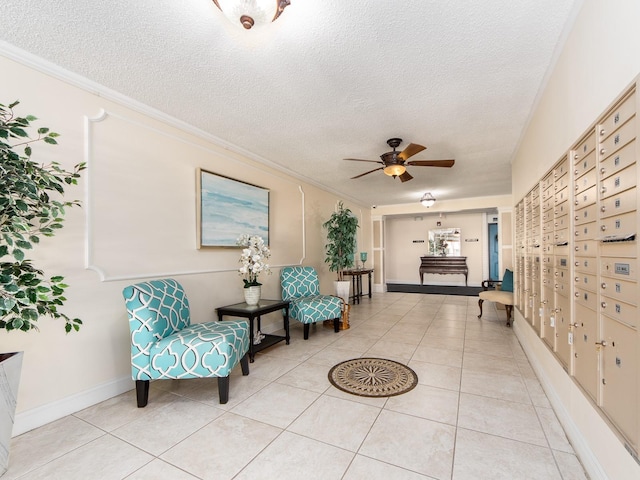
[(228, 208)]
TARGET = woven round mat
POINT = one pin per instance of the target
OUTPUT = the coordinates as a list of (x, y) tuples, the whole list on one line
[(373, 377)]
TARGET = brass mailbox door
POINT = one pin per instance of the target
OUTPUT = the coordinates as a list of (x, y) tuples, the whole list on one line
[(548, 328), (548, 309), (585, 353), (564, 333), (618, 386)]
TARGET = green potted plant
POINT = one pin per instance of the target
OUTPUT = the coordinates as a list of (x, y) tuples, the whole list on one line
[(341, 245), (29, 210)]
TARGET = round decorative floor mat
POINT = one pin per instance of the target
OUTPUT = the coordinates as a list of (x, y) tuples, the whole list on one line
[(373, 377)]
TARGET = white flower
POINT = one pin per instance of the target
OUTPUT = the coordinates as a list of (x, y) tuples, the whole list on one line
[(252, 258)]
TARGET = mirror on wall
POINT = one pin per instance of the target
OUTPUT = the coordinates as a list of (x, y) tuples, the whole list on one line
[(444, 242)]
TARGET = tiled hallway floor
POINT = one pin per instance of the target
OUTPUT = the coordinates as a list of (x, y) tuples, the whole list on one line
[(478, 412)]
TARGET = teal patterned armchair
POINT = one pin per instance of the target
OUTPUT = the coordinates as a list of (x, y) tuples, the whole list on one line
[(301, 287), (165, 345)]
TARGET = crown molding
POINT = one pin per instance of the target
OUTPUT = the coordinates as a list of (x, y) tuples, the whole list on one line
[(56, 71)]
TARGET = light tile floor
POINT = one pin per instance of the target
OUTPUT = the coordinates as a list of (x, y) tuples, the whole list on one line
[(478, 412)]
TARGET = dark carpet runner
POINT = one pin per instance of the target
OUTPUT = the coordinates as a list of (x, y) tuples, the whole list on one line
[(433, 289)]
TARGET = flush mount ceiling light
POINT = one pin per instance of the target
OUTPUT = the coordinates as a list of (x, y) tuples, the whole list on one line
[(428, 200), (394, 170), (251, 12)]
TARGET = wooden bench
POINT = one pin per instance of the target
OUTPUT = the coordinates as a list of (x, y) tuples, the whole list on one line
[(492, 294)]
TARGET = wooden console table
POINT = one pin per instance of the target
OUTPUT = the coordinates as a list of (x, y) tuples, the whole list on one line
[(356, 282), (444, 266)]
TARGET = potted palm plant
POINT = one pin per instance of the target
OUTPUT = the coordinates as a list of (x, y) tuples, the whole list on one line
[(341, 246), (29, 210)]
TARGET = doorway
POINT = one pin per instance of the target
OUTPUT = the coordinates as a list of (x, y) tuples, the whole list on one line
[(493, 252)]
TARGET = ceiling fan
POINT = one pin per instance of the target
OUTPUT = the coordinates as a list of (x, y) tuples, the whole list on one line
[(394, 163)]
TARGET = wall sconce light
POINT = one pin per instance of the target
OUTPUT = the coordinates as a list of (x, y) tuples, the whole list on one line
[(252, 12), (428, 200)]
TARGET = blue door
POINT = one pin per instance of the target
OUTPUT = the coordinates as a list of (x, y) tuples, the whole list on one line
[(494, 274)]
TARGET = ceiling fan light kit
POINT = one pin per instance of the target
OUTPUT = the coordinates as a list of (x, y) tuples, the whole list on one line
[(394, 170), (248, 13), (395, 163), (428, 200)]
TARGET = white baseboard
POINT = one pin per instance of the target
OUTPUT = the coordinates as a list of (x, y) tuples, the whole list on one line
[(50, 412)]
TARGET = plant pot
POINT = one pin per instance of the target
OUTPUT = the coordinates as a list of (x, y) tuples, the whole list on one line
[(10, 367), (342, 289), (252, 294)]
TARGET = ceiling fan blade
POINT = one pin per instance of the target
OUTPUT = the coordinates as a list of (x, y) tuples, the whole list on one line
[(367, 173), (410, 151), (360, 160), (432, 163), (405, 177)]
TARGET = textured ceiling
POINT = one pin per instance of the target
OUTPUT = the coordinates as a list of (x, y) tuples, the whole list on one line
[(328, 80)]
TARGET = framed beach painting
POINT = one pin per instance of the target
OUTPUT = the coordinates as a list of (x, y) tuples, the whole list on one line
[(228, 208)]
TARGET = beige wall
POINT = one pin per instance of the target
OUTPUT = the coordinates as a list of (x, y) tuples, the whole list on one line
[(137, 222), (399, 254), (402, 258), (600, 58)]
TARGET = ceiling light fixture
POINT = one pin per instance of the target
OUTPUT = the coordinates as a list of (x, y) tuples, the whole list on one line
[(428, 200), (252, 12), (394, 170)]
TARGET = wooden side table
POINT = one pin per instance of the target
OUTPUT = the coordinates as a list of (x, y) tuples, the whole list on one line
[(356, 282), (255, 311)]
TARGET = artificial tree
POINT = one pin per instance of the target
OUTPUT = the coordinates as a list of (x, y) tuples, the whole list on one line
[(29, 210), (341, 240)]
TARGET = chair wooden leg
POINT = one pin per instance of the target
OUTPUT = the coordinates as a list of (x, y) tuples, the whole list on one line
[(480, 305), (336, 325), (509, 309), (306, 331), (142, 392), (244, 364), (223, 389)]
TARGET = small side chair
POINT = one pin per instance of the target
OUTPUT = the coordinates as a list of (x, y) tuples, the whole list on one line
[(165, 345), (301, 287), (499, 291)]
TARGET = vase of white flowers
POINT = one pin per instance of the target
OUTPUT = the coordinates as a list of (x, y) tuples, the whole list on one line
[(252, 294), (252, 258)]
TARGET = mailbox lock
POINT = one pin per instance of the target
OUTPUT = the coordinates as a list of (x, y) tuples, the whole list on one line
[(602, 343), (603, 304), (603, 285)]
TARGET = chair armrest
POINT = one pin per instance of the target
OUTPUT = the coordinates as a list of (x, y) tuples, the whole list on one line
[(341, 301), (495, 284)]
